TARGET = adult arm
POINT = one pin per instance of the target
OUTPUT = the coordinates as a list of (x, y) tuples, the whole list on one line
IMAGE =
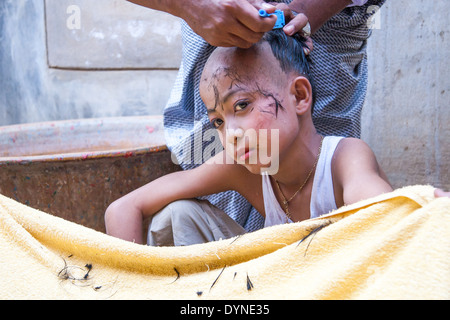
[(223, 23), (317, 12), (229, 23)]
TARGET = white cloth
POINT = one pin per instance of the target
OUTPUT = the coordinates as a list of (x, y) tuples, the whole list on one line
[(274, 214), (322, 195)]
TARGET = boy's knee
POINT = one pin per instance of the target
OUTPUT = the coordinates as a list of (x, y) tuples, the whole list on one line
[(181, 211), (180, 205), (168, 225), (187, 222)]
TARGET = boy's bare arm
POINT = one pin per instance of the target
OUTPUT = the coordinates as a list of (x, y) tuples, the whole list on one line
[(124, 217), (357, 173)]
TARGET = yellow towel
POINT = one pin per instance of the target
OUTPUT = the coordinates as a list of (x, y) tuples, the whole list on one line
[(395, 246)]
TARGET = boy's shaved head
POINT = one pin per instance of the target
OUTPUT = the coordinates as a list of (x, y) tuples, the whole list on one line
[(251, 69), (277, 56)]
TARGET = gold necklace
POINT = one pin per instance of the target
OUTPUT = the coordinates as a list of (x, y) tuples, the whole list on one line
[(285, 201)]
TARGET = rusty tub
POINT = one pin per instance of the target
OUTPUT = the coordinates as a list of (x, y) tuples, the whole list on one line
[(74, 169)]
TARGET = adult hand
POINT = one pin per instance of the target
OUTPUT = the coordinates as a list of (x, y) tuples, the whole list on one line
[(295, 24), (227, 23)]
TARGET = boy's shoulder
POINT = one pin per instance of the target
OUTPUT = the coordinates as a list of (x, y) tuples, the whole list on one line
[(352, 144), (349, 142), (345, 145), (353, 154)]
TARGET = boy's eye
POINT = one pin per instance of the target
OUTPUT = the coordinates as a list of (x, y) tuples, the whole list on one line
[(217, 123), (241, 105)]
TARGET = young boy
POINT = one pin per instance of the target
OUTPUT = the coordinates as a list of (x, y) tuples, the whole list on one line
[(260, 101)]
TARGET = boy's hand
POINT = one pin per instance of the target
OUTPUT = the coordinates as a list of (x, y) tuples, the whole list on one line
[(440, 193)]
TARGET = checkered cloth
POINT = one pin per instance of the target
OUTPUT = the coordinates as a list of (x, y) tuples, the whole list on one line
[(339, 69)]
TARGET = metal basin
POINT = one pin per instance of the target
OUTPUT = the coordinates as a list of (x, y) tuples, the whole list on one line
[(74, 169)]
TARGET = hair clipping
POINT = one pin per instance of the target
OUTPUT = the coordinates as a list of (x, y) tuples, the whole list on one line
[(280, 17)]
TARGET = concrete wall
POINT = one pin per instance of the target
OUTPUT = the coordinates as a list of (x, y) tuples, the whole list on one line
[(406, 119), (66, 59)]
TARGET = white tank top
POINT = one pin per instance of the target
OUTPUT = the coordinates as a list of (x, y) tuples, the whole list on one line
[(322, 195)]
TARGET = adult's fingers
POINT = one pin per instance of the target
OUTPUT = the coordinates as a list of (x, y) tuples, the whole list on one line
[(247, 26), (248, 16), (299, 24), (309, 43), (296, 25)]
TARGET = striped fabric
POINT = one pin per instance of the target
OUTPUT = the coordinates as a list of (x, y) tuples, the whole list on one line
[(339, 68)]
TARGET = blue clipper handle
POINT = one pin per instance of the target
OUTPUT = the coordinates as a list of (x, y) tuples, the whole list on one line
[(263, 13), (280, 17)]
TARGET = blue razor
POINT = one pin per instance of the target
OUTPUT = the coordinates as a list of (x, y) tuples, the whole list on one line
[(280, 17)]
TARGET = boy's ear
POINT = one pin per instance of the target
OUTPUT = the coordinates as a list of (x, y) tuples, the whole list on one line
[(302, 91)]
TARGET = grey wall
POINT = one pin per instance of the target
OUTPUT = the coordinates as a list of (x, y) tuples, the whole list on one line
[(123, 59), (406, 118)]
